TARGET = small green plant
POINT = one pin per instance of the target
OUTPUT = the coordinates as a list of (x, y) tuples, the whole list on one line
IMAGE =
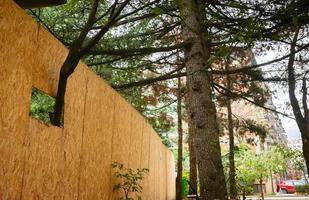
[(42, 105), (184, 184), (129, 180), (302, 189)]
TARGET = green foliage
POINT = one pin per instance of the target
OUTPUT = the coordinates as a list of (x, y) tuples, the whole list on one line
[(251, 167), (295, 158), (276, 160), (67, 21), (245, 169), (245, 125), (163, 123), (129, 180), (302, 189), (41, 105), (184, 184)]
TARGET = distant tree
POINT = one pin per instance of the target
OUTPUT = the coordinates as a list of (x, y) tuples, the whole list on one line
[(295, 160), (253, 167), (245, 171)]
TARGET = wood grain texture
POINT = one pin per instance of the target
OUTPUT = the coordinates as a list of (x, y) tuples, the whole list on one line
[(40, 161), (145, 159), (39, 3), (15, 95), (73, 132), (137, 129), (97, 140), (43, 162)]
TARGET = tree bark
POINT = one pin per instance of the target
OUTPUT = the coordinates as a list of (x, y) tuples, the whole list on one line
[(304, 130), (302, 120), (180, 134), (243, 195), (192, 158), (67, 69), (70, 64), (192, 154), (202, 110), (232, 171)]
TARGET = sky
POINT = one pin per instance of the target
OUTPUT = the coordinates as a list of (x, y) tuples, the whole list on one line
[(279, 99), (291, 129)]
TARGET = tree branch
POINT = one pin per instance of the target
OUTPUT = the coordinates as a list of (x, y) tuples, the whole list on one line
[(305, 104), (247, 68), (91, 20), (148, 81), (138, 51), (48, 28), (292, 81), (232, 94), (111, 21)]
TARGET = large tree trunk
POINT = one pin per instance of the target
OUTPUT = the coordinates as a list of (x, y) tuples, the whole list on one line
[(192, 158), (192, 155), (180, 133), (304, 124), (202, 110), (304, 130), (302, 120)]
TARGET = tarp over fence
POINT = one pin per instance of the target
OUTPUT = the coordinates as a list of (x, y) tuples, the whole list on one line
[(38, 161)]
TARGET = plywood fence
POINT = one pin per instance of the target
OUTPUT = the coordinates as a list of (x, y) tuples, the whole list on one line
[(38, 161)]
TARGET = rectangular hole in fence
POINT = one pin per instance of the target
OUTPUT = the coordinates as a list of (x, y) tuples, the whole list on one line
[(41, 106)]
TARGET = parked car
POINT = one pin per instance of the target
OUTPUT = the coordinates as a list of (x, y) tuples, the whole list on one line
[(288, 186), (300, 182), (304, 180)]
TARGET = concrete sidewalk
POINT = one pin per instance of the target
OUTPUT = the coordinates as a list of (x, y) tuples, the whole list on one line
[(280, 197)]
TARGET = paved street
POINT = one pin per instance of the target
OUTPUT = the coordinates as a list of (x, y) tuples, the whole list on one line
[(281, 197)]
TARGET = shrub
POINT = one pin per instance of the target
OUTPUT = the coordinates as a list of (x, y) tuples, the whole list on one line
[(129, 180), (302, 189), (184, 184)]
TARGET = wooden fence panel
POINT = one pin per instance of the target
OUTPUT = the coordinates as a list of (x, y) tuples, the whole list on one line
[(73, 161), (145, 159), (48, 61), (43, 171), (121, 138), (171, 176), (73, 131), (97, 140), (162, 171), (153, 169), (137, 128), (160, 168), (15, 92)]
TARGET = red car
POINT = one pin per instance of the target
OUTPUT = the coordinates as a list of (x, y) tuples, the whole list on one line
[(286, 186)]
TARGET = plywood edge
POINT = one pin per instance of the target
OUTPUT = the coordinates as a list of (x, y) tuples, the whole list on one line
[(26, 4)]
